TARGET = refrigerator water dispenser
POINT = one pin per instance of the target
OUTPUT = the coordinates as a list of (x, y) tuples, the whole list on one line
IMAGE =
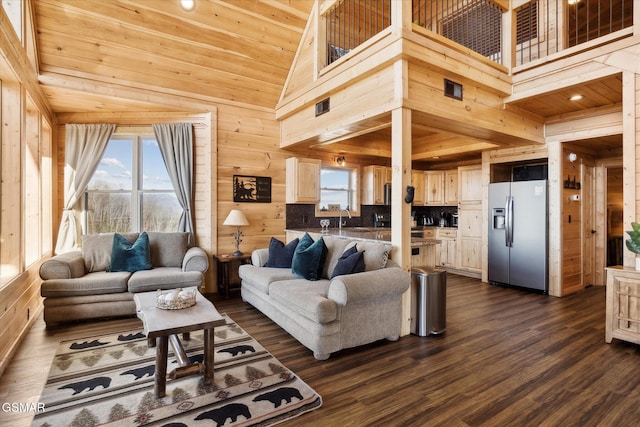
[(498, 218)]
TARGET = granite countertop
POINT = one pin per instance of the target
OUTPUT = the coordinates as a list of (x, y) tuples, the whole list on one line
[(366, 234)]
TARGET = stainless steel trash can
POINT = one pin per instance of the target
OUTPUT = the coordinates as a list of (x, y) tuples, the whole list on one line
[(428, 301)]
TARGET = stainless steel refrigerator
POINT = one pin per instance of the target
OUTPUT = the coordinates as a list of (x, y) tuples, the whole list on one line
[(518, 242)]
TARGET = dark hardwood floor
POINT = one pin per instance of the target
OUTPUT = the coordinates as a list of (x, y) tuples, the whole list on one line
[(508, 358)]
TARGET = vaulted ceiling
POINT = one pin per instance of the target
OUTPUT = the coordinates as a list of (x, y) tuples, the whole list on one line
[(97, 55), (150, 55)]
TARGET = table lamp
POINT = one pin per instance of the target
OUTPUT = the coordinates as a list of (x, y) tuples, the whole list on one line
[(236, 218)]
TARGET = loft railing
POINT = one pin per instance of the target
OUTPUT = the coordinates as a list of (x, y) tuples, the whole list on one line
[(349, 23), (544, 27), (475, 24)]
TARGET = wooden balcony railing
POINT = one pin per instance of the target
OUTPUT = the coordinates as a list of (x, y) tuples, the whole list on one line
[(542, 27), (350, 23)]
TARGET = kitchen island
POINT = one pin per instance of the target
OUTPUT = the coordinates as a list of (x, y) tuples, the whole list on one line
[(424, 250)]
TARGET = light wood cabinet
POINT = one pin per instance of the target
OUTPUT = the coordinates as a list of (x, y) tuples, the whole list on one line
[(441, 188), (434, 188), (470, 237), (622, 320), (451, 187), (303, 180), (373, 180), (417, 180), (424, 256), (448, 247), (470, 184)]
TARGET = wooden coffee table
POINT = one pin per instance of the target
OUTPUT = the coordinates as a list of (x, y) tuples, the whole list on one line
[(163, 326)]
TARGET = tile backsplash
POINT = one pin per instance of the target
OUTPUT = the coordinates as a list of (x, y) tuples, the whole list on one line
[(303, 216)]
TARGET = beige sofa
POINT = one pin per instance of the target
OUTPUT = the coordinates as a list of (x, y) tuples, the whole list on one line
[(327, 315), (77, 285)]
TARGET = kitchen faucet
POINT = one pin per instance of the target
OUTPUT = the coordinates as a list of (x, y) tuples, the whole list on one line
[(340, 217)]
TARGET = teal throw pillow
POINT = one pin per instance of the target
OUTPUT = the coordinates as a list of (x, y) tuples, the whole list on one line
[(350, 262), (308, 258), (281, 255), (131, 257)]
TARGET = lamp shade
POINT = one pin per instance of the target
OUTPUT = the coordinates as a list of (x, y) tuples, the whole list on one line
[(236, 217)]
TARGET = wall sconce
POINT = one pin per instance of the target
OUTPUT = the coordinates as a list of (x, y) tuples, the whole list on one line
[(236, 218), (341, 161), (573, 157)]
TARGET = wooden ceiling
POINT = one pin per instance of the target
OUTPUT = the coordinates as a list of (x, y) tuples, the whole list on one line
[(136, 54), (150, 55)]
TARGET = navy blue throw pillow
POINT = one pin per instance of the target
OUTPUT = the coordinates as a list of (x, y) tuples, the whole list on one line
[(350, 262), (309, 257), (280, 256), (131, 257)]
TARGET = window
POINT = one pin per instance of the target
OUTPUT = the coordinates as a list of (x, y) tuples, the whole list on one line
[(338, 190), (131, 189)]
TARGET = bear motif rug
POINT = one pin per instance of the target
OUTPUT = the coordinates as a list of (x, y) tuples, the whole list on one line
[(108, 380)]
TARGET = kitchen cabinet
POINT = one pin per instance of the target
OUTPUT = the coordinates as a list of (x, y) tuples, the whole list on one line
[(424, 256), (373, 180), (470, 184), (451, 187), (434, 188), (417, 180), (303, 180), (448, 247), (441, 188), (470, 238)]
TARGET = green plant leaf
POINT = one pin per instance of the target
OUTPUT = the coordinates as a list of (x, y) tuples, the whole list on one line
[(633, 246), (635, 226)]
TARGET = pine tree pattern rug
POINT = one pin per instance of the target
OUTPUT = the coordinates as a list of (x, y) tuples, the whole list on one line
[(108, 380)]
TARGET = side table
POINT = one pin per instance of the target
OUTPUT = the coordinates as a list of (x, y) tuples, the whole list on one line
[(224, 263)]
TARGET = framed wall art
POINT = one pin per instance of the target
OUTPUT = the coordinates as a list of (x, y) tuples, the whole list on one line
[(256, 189)]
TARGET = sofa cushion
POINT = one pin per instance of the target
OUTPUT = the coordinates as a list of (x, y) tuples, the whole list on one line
[(163, 278), (281, 255), (97, 283), (127, 256), (308, 259), (335, 249), (259, 278), (308, 299), (350, 262), (96, 250), (375, 254), (168, 248)]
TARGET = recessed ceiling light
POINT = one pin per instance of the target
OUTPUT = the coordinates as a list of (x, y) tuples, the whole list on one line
[(573, 1), (576, 98), (188, 5)]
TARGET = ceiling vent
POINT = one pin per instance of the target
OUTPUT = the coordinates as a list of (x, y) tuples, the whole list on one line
[(322, 107), (452, 89)]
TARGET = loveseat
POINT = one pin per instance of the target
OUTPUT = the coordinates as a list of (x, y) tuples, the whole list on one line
[(326, 313), (83, 284)]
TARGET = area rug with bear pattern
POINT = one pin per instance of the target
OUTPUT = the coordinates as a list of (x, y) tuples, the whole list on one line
[(108, 380)]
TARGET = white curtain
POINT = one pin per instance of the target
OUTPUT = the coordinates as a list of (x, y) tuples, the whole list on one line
[(176, 145), (83, 148)]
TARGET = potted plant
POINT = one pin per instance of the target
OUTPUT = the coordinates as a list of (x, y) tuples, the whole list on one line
[(633, 244)]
